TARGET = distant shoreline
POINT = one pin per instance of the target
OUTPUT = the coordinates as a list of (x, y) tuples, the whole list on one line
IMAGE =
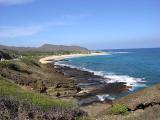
[(53, 58)]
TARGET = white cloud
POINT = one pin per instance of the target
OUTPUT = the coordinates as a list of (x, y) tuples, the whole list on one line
[(16, 31), (14, 2), (13, 32), (20, 31), (59, 24)]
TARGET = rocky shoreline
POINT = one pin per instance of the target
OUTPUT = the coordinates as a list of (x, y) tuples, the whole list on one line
[(93, 97), (91, 88), (93, 94)]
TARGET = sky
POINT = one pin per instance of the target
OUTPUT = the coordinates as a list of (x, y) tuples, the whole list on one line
[(95, 24)]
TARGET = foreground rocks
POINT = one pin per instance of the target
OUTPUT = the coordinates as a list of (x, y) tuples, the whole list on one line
[(142, 105), (142, 99), (16, 110)]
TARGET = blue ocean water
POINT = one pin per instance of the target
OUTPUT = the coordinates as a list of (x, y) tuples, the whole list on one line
[(139, 68)]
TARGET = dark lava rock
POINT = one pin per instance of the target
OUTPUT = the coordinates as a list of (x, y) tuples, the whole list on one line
[(43, 89), (78, 89), (58, 85), (90, 85), (58, 94)]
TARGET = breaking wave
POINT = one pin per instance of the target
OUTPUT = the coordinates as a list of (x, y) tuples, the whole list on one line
[(132, 82)]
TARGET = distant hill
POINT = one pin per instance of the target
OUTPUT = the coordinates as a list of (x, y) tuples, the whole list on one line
[(45, 48), (9, 52), (50, 48)]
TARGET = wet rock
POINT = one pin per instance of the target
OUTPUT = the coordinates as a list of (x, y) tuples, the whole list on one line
[(78, 89), (58, 85), (58, 94), (89, 84)]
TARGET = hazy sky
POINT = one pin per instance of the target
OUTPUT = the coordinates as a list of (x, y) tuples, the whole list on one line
[(96, 24)]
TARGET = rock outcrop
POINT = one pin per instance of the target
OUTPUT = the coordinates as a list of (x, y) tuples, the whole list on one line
[(142, 105), (142, 99)]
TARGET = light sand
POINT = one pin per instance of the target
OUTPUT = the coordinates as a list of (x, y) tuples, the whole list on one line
[(50, 59)]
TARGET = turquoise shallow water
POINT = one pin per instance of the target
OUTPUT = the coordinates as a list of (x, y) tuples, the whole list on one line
[(139, 68)]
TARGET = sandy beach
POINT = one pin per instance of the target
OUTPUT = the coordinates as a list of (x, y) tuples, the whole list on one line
[(52, 58)]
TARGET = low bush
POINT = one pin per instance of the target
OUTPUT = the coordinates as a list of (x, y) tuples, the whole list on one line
[(10, 64), (119, 109), (30, 60)]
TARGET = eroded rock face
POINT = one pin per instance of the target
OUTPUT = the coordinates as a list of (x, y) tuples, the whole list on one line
[(15, 110), (142, 99), (143, 105)]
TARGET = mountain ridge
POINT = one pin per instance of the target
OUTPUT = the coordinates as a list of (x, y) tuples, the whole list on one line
[(46, 48)]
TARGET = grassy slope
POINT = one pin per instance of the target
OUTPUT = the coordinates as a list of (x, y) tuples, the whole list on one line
[(29, 67), (13, 91)]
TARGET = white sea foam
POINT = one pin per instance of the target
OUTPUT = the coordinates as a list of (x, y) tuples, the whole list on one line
[(120, 52), (72, 66), (132, 82), (104, 97), (64, 65), (95, 98)]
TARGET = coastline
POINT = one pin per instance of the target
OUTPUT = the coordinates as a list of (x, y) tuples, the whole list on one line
[(50, 59), (92, 88), (59, 89)]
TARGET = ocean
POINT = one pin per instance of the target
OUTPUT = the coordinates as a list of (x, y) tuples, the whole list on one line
[(139, 68)]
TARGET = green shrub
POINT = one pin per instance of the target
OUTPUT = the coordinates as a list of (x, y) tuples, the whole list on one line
[(9, 64), (6, 63), (30, 60), (119, 109), (80, 118)]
